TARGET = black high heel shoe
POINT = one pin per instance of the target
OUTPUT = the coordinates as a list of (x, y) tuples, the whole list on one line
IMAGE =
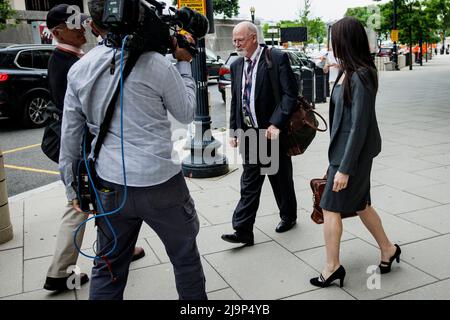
[(385, 267), (321, 282)]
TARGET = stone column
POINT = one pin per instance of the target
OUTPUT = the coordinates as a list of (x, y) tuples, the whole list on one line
[(6, 230)]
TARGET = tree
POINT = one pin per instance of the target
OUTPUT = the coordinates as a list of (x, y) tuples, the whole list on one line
[(425, 17), (317, 30), (360, 13), (228, 8), (305, 12), (440, 9), (6, 12)]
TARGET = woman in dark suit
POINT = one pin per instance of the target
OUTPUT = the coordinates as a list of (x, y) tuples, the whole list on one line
[(355, 141)]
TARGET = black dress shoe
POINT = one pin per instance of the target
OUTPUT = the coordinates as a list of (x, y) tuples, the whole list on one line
[(235, 238), (138, 253), (60, 284), (321, 282), (285, 225), (385, 267)]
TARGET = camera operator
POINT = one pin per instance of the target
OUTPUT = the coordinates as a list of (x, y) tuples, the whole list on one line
[(157, 191)]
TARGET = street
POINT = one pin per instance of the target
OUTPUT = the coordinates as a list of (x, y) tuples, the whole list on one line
[(28, 168)]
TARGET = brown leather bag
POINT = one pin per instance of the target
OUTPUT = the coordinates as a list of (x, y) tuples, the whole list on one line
[(317, 187), (302, 127), (303, 123)]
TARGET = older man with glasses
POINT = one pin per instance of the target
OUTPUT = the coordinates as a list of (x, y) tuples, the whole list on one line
[(256, 112)]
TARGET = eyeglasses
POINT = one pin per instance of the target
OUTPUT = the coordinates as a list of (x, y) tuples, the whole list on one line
[(242, 40)]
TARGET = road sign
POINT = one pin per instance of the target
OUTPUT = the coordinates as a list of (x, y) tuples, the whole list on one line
[(394, 35), (272, 31), (197, 5)]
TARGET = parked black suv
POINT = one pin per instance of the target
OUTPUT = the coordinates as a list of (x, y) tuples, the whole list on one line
[(213, 63), (24, 93), (297, 59)]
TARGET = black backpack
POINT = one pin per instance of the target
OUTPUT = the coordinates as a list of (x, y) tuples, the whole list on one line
[(51, 141)]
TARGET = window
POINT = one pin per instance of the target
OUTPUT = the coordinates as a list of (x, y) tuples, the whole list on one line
[(25, 59), (38, 5), (46, 5), (210, 55), (40, 58)]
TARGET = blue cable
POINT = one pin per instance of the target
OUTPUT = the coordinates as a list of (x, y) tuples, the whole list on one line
[(125, 193)]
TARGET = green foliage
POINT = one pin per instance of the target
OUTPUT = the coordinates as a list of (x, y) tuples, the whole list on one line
[(360, 13), (228, 8), (317, 29), (6, 12), (305, 12), (427, 18)]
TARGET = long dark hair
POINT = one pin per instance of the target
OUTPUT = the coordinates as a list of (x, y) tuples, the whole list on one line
[(351, 49)]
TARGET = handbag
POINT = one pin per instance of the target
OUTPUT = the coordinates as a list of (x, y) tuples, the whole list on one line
[(302, 127), (317, 187), (303, 124)]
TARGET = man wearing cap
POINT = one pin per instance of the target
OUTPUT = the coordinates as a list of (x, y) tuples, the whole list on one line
[(65, 23)]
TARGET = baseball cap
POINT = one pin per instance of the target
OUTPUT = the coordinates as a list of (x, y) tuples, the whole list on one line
[(64, 13)]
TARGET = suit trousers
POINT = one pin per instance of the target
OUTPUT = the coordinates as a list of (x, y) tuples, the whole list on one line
[(169, 210), (66, 254), (252, 180)]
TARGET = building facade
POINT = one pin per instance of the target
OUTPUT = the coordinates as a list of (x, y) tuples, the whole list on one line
[(44, 5)]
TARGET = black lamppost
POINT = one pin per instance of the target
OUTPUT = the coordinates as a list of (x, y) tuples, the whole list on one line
[(410, 2), (328, 37), (394, 27), (204, 160), (252, 12)]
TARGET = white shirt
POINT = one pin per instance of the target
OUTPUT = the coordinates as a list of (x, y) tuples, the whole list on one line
[(255, 58), (334, 71)]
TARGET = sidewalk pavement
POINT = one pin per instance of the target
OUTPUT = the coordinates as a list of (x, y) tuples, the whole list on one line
[(410, 190)]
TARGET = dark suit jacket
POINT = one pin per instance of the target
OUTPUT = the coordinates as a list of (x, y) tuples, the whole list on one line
[(267, 110), (355, 136)]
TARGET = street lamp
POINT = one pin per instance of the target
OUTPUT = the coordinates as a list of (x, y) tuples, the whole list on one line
[(394, 27), (252, 12), (410, 3), (273, 28)]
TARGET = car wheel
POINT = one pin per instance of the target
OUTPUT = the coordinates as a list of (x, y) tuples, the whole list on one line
[(34, 110)]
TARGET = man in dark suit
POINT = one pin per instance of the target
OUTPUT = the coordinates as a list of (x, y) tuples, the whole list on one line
[(255, 113)]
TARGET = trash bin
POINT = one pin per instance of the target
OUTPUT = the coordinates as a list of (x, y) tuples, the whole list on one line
[(309, 84), (408, 58), (328, 84), (389, 66), (321, 88)]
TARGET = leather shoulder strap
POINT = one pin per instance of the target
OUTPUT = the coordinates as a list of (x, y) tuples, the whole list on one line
[(273, 74)]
